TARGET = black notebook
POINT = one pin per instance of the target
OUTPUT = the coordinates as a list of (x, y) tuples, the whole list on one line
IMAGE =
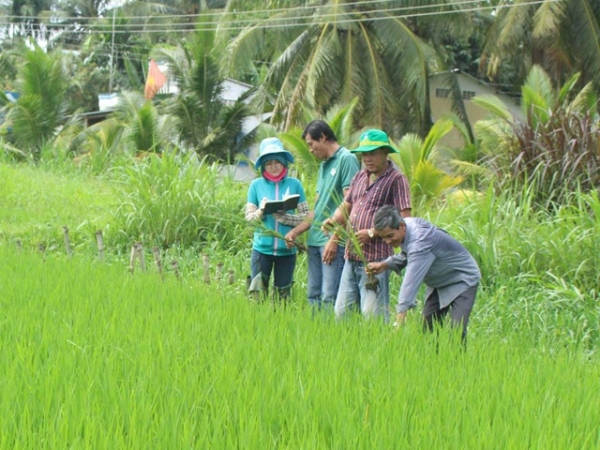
[(290, 202)]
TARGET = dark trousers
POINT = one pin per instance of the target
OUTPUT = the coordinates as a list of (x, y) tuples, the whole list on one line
[(460, 310), (282, 268)]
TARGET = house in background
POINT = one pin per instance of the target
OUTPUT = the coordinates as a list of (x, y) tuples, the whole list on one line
[(12, 98), (439, 96), (232, 90)]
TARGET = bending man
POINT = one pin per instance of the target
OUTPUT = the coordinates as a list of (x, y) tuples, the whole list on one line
[(432, 257)]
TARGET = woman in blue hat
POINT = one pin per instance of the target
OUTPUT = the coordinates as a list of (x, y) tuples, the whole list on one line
[(269, 252)]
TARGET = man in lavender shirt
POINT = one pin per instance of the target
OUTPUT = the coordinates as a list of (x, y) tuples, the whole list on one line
[(433, 257)]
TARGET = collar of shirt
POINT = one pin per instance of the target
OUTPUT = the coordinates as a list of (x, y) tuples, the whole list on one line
[(335, 155), (407, 235), (385, 173)]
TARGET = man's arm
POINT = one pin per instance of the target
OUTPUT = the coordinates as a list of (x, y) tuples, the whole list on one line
[(331, 247), (397, 262), (338, 218)]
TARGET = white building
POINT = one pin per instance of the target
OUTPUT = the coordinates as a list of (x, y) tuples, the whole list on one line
[(232, 90)]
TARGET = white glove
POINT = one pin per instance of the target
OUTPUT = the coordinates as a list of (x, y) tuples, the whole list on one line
[(263, 202), (260, 212)]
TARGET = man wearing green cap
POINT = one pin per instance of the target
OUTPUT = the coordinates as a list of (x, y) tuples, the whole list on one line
[(376, 185)]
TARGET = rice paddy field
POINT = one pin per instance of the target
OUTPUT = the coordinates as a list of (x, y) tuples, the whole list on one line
[(94, 357)]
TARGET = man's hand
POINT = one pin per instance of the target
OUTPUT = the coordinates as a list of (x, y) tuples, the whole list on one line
[(328, 226), (400, 319), (330, 250), (364, 237), (376, 268), (290, 238)]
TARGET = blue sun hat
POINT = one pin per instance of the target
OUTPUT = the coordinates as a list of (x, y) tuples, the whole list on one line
[(272, 148), (371, 140)]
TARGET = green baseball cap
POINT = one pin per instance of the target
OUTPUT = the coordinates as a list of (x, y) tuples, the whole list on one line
[(372, 140)]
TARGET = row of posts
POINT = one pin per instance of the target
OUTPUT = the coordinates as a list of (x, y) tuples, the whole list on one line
[(137, 254)]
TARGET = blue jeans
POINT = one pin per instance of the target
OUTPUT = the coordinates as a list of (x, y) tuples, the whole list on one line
[(282, 266), (323, 279), (353, 293)]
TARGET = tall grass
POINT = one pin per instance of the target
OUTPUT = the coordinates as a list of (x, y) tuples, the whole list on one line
[(95, 358), (178, 200), (540, 263)]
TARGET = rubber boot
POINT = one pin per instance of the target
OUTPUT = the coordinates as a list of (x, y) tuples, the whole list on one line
[(258, 288)]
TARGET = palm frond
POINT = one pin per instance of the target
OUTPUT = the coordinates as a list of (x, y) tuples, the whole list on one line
[(409, 154), (586, 100), (439, 129), (341, 120), (547, 19), (538, 91), (586, 27), (507, 34), (293, 141), (566, 89), (494, 105)]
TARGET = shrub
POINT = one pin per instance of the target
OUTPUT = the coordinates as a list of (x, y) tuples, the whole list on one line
[(177, 199), (555, 150)]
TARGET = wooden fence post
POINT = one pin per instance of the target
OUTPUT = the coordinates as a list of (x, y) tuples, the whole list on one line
[(100, 242), (156, 254), (230, 276), (42, 250), (132, 258), (175, 268), (219, 274), (19, 245), (139, 249), (67, 242), (206, 264)]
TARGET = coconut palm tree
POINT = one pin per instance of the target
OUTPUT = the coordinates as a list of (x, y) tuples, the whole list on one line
[(42, 108), (561, 36), (146, 130), (206, 124), (338, 50)]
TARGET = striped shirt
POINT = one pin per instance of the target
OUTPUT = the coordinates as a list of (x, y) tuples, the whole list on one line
[(365, 198)]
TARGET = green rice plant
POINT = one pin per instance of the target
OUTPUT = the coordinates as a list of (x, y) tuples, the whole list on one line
[(96, 358)]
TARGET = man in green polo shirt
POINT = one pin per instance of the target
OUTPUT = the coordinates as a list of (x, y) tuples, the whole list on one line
[(325, 254)]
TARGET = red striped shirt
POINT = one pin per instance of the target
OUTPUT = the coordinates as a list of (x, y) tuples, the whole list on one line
[(390, 188)]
